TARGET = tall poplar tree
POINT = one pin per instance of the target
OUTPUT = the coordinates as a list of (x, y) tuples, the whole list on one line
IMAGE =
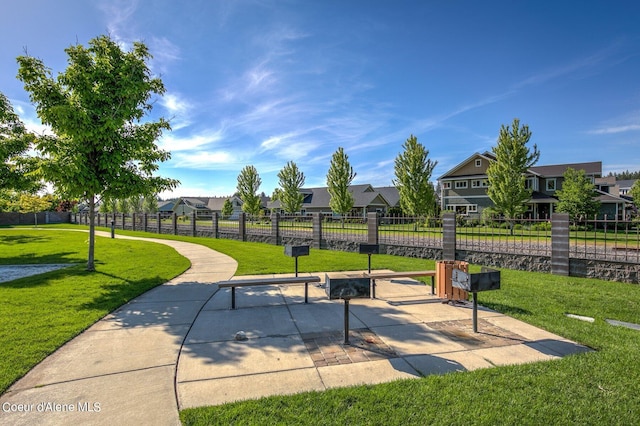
[(102, 146), (339, 178), (506, 175), (248, 184), (413, 170), (291, 180)]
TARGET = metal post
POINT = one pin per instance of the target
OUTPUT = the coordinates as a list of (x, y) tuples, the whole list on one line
[(369, 263), (113, 230), (296, 265), (475, 312), (306, 292), (346, 321), (233, 297)]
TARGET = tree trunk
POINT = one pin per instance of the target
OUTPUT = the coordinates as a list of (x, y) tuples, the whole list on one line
[(92, 231)]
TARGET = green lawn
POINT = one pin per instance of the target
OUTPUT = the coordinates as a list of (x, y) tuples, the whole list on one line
[(601, 387), (42, 312)]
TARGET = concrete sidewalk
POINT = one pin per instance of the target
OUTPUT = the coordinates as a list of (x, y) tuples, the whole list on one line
[(174, 347), (122, 369)]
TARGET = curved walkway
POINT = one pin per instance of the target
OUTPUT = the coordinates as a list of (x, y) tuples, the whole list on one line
[(174, 347), (122, 369)]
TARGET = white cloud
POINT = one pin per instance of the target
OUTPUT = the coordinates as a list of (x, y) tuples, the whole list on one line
[(629, 122), (206, 160), (170, 142)]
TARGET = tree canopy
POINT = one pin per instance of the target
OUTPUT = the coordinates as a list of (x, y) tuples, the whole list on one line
[(339, 177), (95, 108), (248, 184), (291, 180), (413, 170), (506, 175), (577, 195), (17, 169)]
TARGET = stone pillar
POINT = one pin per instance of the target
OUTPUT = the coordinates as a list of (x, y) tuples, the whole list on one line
[(145, 221), (175, 223), (560, 244), (133, 221), (242, 226), (275, 229), (159, 223), (449, 236), (372, 228), (215, 224), (317, 230)]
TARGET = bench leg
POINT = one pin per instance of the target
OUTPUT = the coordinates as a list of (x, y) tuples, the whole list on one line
[(433, 283), (306, 291), (373, 288), (233, 297)]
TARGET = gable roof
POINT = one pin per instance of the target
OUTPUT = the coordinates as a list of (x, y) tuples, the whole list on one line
[(557, 170), (488, 156), (364, 195)]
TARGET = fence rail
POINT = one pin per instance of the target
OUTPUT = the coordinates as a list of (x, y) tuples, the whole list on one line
[(586, 240), (597, 239)]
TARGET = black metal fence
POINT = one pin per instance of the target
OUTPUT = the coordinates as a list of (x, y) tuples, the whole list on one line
[(587, 240)]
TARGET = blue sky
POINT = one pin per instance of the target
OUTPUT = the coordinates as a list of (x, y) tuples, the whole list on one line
[(253, 82)]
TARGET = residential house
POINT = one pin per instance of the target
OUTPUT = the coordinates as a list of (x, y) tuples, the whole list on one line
[(205, 206), (366, 199), (464, 188)]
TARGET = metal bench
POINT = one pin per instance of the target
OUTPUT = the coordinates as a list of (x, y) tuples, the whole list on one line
[(268, 281), (407, 274)]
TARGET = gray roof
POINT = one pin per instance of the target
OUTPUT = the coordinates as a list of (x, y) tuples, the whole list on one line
[(557, 170), (318, 198)]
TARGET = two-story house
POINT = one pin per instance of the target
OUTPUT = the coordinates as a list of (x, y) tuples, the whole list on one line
[(463, 189)]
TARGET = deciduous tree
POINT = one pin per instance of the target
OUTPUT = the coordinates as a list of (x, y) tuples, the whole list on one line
[(17, 169), (102, 146), (506, 175), (30, 203), (577, 195), (248, 184), (339, 178), (291, 180), (413, 170), (227, 208)]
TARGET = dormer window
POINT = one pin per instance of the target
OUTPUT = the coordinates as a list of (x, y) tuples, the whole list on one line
[(478, 162)]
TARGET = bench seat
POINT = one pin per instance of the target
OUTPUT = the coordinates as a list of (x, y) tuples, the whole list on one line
[(268, 281)]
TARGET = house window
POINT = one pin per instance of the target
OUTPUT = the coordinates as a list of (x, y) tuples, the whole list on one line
[(472, 208), (551, 185), (479, 183), (446, 185), (530, 184), (461, 184), (478, 163)]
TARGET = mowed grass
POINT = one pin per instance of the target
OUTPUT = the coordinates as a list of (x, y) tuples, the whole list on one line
[(42, 312), (600, 387)]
